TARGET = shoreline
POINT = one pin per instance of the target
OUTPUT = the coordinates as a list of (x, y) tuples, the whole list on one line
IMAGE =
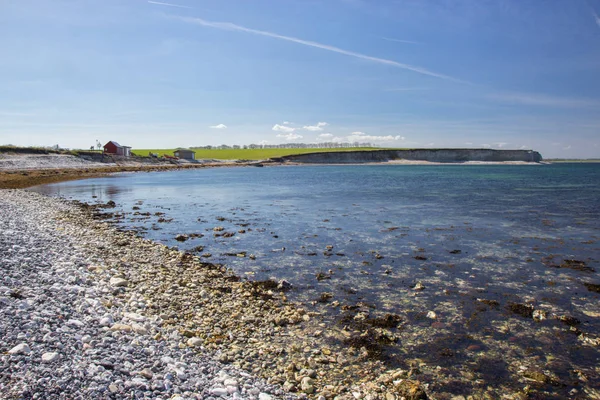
[(21, 177), (203, 310), (142, 291)]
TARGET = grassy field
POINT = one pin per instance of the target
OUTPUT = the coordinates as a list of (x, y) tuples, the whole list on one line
[(248, 154)]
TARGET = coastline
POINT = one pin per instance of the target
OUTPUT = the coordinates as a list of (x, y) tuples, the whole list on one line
[(201, 312), (129, 291), (23, 174)]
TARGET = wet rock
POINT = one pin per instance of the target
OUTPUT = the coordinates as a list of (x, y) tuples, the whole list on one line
[(181, 238), (418, 286), (569, 320), (307, 385), (539, 315), (284, 285), (410, 389)]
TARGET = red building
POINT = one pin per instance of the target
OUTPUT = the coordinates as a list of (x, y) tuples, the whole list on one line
[(115, 148)]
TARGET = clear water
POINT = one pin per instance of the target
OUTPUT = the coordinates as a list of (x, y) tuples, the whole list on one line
[(466, 233)]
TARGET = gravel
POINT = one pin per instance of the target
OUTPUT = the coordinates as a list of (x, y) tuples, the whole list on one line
[(64, 334)]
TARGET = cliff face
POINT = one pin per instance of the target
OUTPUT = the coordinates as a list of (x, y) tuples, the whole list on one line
[(433, 155)]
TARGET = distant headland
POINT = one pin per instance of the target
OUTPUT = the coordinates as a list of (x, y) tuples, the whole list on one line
[(428, 155)]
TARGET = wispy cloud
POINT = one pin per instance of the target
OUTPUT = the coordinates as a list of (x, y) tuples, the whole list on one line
[(594, 13), (398, 40), (228, 26), (219, 126), (168, 4), (407, 89), (325, 135), (315, 128), (544, 100)]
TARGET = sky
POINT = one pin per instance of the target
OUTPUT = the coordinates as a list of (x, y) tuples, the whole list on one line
[(502, 74)]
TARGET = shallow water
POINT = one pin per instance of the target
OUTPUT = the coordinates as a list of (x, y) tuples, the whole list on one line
[(489, 244)]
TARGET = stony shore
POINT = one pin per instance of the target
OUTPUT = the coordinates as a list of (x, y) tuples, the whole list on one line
[(90, 312)]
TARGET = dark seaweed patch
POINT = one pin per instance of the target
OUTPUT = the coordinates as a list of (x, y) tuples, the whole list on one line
[(521, 309), (592, 287)]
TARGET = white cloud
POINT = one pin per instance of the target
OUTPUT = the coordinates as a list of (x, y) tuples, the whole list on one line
[(220, 126), (282, 128), (358, 133), (314, 128), (228, 26), (286, 122), (325, 135), (486, 145), (500, 144), (290, 136), (567, 148), (263, 142)]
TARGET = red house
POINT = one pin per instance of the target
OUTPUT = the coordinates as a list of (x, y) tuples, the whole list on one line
[(113, 147)]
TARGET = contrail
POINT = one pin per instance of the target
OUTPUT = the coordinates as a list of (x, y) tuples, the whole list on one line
[(398, 40), (233, 27), (167, 4)]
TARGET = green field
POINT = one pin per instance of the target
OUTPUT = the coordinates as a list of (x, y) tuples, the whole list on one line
[(248, 154)]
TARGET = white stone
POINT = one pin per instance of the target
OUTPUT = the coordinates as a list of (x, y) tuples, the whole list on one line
[(22, 348), (118, 282), (137, 328), (265, 396), (106, 321), (431, 315), (49, 357), (194, 342), (135, 317), (75, 322), (230, 382), (219, 391)]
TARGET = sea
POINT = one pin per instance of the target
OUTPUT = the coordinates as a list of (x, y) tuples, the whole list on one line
[(485, 264)]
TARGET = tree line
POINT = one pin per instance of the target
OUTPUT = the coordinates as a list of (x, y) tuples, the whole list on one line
[(325, 145)]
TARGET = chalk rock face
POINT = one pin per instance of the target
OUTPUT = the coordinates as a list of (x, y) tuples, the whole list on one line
[(431, 155)]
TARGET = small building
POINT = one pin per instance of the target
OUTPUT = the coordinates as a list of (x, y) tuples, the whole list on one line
[(115, 148), (185, 154)]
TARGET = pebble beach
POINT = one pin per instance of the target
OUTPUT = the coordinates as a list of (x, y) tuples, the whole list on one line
[(90, 310), (72, 328)]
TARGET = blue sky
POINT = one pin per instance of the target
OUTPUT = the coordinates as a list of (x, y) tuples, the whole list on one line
[(405, 73)]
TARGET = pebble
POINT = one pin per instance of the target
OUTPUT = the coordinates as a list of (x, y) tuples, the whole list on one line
[(22, 348), (118, 282), (49, 357)]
